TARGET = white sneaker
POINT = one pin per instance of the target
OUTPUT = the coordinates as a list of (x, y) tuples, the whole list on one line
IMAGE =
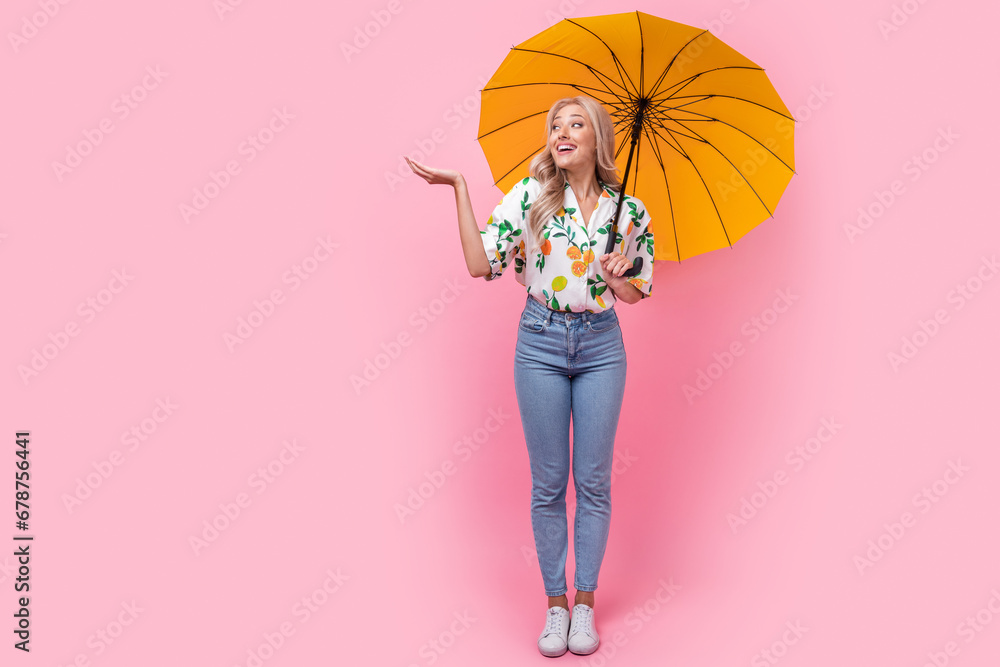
[(583, 639), (552, 642)]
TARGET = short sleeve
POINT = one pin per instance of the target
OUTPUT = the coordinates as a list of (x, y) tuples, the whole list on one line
[(504, 236), (639, 244)]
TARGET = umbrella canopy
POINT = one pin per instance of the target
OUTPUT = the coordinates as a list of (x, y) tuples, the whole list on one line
[(702, 137)]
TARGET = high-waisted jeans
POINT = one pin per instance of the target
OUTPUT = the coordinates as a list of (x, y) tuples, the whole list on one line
[(569, 364)]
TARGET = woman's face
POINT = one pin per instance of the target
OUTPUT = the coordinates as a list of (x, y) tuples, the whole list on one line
[(572, 141)]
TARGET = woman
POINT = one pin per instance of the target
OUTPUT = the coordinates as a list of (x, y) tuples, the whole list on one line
[(570, 356)]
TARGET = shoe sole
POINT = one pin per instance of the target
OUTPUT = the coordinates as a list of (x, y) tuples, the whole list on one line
[(585, 652), (552, 654)]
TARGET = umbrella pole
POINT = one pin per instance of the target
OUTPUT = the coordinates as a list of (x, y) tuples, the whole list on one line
[(636, 132)]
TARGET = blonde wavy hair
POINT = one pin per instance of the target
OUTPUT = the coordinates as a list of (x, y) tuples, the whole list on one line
[(553, 178)]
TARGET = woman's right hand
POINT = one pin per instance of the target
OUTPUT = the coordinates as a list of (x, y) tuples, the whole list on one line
[(432, 175)]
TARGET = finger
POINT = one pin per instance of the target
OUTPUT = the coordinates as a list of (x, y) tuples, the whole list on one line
[(420, 168), (422, 171), (415, 167)]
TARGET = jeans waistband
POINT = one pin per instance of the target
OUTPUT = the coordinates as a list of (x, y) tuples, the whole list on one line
[(533, 305)]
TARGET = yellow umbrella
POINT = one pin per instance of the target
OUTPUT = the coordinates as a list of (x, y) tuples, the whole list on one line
[(710, 141)]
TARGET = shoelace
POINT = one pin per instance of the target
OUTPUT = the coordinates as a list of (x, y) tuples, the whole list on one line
[(552, 622), (583, 620)]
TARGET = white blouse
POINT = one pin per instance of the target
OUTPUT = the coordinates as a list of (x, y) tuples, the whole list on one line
[(565, 273)]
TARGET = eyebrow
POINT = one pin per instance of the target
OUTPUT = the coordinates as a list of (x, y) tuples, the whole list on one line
[(571, 116)]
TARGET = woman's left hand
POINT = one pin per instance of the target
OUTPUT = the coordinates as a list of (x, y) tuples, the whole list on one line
[(614, 265)]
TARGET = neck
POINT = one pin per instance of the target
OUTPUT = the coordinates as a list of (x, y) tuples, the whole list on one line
[(584, 185)]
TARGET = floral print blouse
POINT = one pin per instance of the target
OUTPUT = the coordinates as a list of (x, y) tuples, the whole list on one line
[(565, 273)]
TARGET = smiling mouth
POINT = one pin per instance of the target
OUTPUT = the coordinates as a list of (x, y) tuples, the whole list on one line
[(562, 150)]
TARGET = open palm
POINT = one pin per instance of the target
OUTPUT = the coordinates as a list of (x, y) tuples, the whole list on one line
[(432, 175)]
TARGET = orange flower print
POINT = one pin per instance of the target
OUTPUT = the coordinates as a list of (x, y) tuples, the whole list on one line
[(574, 253), (579, 268), (547, 247), (588, 256)]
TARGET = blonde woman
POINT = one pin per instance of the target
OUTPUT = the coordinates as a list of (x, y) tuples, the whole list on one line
[(570, 357)]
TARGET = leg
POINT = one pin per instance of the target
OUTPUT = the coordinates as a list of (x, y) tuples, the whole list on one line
[(543, 400), (597, 390)]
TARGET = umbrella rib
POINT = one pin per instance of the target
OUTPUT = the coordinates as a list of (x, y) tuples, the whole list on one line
[(621, 72), (691, 78), (642, 56), (709, 143), (626, 136), (707, 190), (523, 118), (676, 144), (512, 169), (579, 62), (718, 120), (670, 199), (537, 113), (552, 83), (697, 98), (579, 87), (734, 97), (717, 213), (652, 128), (652, 93)]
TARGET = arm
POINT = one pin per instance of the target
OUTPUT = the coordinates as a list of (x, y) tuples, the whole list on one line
[(638, 244), (615, 264), (468, 229), (472, 243)]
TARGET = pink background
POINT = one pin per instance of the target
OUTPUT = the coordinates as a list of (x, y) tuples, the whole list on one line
[(112, 538)]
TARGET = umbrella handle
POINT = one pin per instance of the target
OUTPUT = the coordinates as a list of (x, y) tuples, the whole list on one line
[(636, 130), (636, 268), (636, 265)]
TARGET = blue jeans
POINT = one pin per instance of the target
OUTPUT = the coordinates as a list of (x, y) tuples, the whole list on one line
[(569, 363)]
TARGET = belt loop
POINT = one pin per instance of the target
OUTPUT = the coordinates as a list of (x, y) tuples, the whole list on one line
[(548, 316)]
